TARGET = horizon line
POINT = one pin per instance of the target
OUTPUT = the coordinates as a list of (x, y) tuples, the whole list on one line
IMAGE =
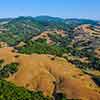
[(11, 17)]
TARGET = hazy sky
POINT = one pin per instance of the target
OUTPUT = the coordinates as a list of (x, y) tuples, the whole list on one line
[(59, 8)]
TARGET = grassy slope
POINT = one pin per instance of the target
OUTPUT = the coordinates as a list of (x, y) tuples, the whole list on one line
[(41, 72)]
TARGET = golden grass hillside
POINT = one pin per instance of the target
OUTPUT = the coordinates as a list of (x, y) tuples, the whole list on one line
[(45, 35), (49, 74)]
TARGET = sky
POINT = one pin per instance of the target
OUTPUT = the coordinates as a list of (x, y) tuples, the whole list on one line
[(57, 8)]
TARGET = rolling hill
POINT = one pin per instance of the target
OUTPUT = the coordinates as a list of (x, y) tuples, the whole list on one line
[(49, 58), (41, 72)]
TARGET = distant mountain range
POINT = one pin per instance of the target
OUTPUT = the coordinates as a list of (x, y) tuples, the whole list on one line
[(23, 28), (55, 19)]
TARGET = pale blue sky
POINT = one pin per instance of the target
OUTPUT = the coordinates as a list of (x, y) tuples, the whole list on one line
[(59, 8)]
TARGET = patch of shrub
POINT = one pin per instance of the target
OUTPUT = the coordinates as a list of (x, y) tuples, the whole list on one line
[(96, 80), (9, 91), (8, 69), (41, 47), (60, 96), (1, 62)]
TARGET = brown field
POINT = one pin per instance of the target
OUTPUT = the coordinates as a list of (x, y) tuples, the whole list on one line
[(47, 73)]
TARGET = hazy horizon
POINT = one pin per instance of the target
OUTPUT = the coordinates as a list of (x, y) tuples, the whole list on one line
[(84, 9), (50, 16)]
